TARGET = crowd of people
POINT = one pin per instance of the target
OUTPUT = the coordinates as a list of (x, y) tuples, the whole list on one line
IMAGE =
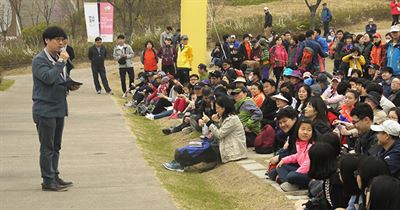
[(336, 135)]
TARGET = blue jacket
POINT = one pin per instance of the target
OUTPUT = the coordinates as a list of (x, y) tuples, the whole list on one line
[(323, 43), (49, 92), (326, 15), (317, 51), (392, 157), (393, 57)]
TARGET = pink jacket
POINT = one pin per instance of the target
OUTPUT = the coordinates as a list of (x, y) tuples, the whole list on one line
[(278, 56), (394, 6), (300, 157)]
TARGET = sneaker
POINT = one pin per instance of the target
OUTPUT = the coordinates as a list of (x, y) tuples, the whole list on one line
[(124, 95), (287, 187), (150, 116), (98, 92), (129, 104), (173, 166), (167, 131), (110, 93), (187, 130)]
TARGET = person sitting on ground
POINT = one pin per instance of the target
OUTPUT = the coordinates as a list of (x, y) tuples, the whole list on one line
[(388, 138), (355, 60), (347, 168), (229, 134), (303, 96), (395, 94), (373, 99), (377, 196), (317, 112), (249, 114), (387, 77), (385, 103), (217, 54), (291, 171), (268, 107), (394, 114), (258, 96), (282, 100)]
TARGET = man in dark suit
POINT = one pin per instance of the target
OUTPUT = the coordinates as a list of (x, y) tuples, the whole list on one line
[(97, 54), (51, 84), (71, 54)]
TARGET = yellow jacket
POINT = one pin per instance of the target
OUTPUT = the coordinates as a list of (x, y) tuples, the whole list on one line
[(185, 57), (354, 63)]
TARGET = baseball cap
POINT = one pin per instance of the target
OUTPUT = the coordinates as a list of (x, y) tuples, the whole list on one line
[(394, 29), (390, 127), (184, 37), (233, 36), (287, 72), (216, 74), (266, 8), (378, 35), (198, 85), (388, 69), (373, 66)]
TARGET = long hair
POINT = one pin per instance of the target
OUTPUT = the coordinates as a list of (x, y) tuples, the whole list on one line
[(308, 90), (227, 103), (384, 193), (320, 107), (347, 165), (322, 161)]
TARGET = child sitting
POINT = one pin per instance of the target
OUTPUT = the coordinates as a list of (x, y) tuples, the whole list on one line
[(181, 101), (291, 171)]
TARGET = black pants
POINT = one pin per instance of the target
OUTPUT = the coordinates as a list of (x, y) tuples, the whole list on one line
[(278, 74), (250, 138), (182, 74), (102, 71), (326, 28), (50, 134), (395, 19), (336, 65), (161, 105), (168, 69), (122, 76)]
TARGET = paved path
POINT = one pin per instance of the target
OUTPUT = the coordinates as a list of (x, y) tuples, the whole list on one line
[(99, 154)]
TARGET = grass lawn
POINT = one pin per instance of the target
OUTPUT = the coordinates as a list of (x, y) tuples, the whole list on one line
[(226, 187), (5, 84)]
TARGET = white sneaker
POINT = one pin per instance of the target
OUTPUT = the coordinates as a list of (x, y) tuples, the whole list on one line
[(124, 95), (129, 104), (150, 116), (287, 187)]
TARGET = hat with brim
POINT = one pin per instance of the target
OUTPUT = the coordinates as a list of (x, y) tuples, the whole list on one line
[(322, 78), (394, 29), (280, 97), (375, 97), (238, 90), (390, 127), (198, 85), (240, 79), (296, 74), (287, 72)]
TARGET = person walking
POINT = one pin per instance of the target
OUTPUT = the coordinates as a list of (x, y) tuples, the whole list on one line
[(123, 53), (395, 6), (267, 23), (49, 108), (97, 54), (326, 17), (184, 61)]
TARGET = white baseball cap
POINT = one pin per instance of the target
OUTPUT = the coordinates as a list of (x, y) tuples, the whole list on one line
[(266, 8), (390, 127), (395, 29)]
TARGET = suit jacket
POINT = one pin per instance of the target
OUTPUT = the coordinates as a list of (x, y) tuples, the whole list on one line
[(71, 54), (49, 94), (97, 58)]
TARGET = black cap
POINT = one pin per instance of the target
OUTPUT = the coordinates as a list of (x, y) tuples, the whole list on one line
[(388, 69), (216, 74), (373, 66), (198, 85)]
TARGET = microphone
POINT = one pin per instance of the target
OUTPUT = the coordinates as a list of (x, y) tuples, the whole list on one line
[(68, 60)]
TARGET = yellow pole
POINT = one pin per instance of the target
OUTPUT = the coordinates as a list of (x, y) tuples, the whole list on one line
[(194, 24)]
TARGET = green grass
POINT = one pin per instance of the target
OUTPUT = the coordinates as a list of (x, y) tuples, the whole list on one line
[(5, 84), (189, 190), (250, 2)]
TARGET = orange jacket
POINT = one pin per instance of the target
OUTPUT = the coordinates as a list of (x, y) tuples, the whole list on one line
[(378, 54)]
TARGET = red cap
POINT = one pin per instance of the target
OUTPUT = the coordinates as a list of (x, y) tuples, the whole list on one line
[(378, 35)]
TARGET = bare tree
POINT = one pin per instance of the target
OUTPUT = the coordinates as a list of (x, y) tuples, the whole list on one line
[(46, 8), (313, 11), (16, 5), (33, 14), (5, 19), (71, 10)]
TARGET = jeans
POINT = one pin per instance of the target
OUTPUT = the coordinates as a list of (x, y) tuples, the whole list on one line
[(102, 71), (287, 173), (122, 75), (50, 134), (326, 28), (162, 114)]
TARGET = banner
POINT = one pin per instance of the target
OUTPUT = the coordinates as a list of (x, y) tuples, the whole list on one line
[(92, 21), (106, 21)]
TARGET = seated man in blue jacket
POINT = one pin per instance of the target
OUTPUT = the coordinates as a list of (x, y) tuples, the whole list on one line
[(388, 137)]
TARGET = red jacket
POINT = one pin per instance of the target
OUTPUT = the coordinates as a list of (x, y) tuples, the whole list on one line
[(395, 8), (278, 56)]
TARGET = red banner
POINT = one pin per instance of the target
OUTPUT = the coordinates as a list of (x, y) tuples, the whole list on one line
[(106, 21)]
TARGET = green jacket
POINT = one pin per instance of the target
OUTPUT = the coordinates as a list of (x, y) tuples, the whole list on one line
[(249, 114)]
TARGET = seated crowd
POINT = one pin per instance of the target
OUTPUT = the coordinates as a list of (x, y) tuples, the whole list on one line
[(335, 135)]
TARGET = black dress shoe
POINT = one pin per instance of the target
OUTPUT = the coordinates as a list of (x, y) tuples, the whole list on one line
[(166, 131), (62, 182), (53, 187)]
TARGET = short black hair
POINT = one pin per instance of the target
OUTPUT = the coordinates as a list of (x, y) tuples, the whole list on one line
[(342, 87), (309, 33), (339, 31), (98, 39), (288, 112), (317, 30), (322, 161), (287, 85), (53, 32), (178, 89), (121, 36), (270, 81), (287, 32), (388, 69), (362, 110), (194, 75), (331, 139), (169, 28), (258, 85), (373, 86)]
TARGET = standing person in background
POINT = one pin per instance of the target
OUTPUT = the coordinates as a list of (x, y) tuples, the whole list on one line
[(338, 44), (165, 34), (49, 96), (395, 5), (370, 28), (97, 54), (278, 58), (267, 23), (326, 17), (123, 53), (393, 50), (71, 54), (176, 37), (184, 61), (168, 55), (149, 57)]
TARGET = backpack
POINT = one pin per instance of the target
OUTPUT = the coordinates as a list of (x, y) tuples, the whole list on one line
[(264, 142), (192, 154), (306, 59)]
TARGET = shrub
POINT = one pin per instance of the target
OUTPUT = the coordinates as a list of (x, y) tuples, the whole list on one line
[(250, 2)]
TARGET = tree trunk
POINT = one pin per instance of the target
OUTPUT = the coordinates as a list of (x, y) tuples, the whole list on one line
[(312, 19)]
